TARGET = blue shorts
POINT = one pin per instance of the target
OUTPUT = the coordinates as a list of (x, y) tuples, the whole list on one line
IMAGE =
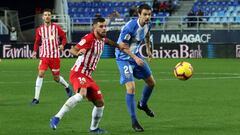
[(129, 69)]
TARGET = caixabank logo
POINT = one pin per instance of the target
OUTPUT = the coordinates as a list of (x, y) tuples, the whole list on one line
[(173, 51)]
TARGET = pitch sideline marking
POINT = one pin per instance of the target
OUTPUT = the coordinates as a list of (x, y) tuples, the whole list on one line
[(202, 78)]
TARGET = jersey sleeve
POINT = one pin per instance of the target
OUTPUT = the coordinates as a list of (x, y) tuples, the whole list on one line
[(85, 42), (126, 34), (37, 39), (62, 35)]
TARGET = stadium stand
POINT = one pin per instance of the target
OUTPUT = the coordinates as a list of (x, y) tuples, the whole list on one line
[(219, 11), (82, 12)]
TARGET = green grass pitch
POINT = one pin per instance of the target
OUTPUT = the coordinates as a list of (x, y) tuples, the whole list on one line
[(206, 104)]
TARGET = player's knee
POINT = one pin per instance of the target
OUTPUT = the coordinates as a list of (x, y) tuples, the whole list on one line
[(56, 78), (152, 83), (78, 97), (82, 92), (130, 87), (41, 74), (84, 96), (99, 103)]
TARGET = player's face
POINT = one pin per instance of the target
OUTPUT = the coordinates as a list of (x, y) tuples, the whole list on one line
[(101, 29), (145, 16), (47, 17)]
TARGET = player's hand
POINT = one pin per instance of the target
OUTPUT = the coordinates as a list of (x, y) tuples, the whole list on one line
[(61, 47), (122, 47), (34, 54), (82, 51), (139, 61), (149, 54)]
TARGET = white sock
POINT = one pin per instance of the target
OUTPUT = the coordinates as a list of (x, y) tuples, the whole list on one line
[(97, 114), (63, 82), (69, 104), (38, 87)]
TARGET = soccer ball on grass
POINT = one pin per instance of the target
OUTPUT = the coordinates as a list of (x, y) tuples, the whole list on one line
[(183, 70)]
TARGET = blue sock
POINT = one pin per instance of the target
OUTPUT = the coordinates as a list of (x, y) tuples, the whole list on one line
[(147, 91), (131, 106)]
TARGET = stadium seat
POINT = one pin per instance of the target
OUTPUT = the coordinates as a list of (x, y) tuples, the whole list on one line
[(222, 11)]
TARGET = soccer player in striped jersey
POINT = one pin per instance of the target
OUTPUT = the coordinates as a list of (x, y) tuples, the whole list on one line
[(88, 50), (49, 35), (132, 35)]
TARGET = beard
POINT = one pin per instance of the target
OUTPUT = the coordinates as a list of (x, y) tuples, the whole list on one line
[(102, 35)]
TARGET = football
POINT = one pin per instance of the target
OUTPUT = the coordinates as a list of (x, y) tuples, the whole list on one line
[(183, 70)]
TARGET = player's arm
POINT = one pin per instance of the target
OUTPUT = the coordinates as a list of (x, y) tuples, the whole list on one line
[(148, 46), (36, 43), (82, 47), (63, 37), (76, 51), (112, 43), (126, 49), (124, 40)]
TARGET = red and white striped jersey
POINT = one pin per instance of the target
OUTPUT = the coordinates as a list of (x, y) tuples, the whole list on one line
[(87, 63), (49, 36)]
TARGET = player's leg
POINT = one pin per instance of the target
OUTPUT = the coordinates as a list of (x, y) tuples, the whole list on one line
[(147, 90), (69, 104), (94, 94), (97, 114), (146, 93), (55, 68), (144, 72), (130, 94), (42, 67), (61, 80), (126, 77)]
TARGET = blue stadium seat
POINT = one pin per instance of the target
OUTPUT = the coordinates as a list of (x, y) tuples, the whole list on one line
[(237, 19), (211, 20), (224, 20), (231, 19)]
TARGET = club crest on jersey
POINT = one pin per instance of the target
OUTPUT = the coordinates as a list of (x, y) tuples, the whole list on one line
[(127, 37), (82, 42)]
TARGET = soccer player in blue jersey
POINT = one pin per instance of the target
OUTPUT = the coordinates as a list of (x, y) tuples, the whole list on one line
[(132, 36)]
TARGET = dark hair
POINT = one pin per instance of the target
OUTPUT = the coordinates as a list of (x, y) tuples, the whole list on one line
[(98, 19), (47, 10), (97, 15), (143, 6)]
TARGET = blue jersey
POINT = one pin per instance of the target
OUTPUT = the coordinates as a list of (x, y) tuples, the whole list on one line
[(132, 34)]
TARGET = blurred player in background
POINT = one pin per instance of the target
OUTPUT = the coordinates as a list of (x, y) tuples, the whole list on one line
[(49, 35), (132, 35), (89, 51)]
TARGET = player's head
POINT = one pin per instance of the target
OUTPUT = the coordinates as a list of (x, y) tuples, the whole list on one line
[(144, 13), (47, 15), (99, 27)]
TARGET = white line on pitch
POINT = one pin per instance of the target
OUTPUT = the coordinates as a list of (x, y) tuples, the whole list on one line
[(166, 79)]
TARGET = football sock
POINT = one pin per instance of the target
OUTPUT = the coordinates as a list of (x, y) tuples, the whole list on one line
[(69, 104), (97, 114), (63, 82), (147, 91), (38, 87), (131, 106)]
